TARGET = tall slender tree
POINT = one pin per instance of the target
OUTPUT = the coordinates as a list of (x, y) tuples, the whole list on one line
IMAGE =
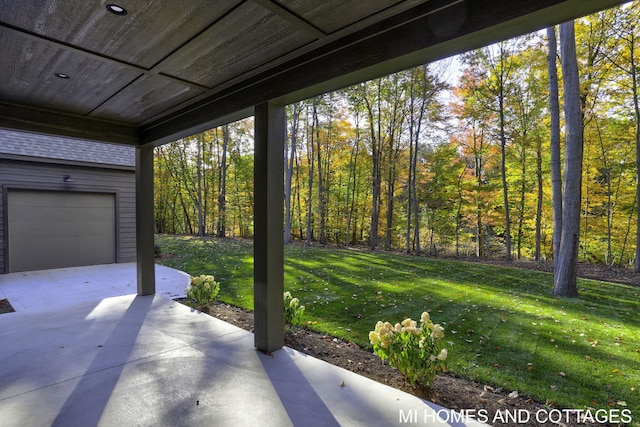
[(289, 163), (565, 279), (221, 223), (556, 165)]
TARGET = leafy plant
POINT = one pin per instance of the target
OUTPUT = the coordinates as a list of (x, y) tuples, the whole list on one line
[(202, 291), (415, 351), (292, 309)]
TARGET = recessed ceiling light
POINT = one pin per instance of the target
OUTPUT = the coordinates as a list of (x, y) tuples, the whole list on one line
[(62, 75), (116, 10)]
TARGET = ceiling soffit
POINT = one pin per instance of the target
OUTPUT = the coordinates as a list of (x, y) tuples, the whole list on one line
[(161, 55), (167, 67)]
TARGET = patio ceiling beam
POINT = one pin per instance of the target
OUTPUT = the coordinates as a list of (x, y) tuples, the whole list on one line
[(425, 33), (31, 119), (268, 218), (291, 18)]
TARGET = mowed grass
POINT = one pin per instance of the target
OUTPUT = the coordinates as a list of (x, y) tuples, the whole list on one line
[(502, 325)]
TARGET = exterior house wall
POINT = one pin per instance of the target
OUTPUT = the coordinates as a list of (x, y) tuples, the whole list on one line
[(39, 174)]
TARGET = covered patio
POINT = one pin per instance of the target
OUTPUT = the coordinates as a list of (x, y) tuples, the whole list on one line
[(149, 72), (109, 357)]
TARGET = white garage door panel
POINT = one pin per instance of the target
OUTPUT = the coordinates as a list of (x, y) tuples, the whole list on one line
[(60, 229)]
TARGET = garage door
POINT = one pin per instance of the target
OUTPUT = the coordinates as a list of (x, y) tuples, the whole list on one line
[(51, 229)]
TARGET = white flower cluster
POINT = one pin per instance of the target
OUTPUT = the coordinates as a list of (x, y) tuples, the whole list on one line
[(383, 332), (413, 349), (293, 302), (292, 309), (202, 290), (204, 281)]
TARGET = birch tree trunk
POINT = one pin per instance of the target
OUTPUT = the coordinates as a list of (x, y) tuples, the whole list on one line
[(565, 279)]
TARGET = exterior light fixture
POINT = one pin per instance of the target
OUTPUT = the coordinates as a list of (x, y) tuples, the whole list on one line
[(63, 76), (116, 10), (67, 179)]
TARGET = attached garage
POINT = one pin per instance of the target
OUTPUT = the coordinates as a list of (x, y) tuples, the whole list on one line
[(53, 229), (70, 206)]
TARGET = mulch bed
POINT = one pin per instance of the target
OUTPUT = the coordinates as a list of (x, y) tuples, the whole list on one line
[(5, 306), (448, 390)]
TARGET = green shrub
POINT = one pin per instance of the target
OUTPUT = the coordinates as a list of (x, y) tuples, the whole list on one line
[(414, 350), (202, 291), (292, 309)]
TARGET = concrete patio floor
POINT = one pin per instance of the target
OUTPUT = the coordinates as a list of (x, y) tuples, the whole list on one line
[(83, 350)]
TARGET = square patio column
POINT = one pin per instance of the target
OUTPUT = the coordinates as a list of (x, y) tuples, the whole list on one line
[(145, 253), (268, 216)]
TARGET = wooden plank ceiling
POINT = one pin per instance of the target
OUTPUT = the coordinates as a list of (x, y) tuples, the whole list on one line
[(169, 68)]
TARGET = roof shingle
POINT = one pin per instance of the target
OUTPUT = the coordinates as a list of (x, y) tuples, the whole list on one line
[(76, 150)]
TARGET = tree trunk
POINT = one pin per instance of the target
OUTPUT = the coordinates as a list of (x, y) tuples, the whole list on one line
[(503, 171), (199, 198), (222, 185), (412, 176), (478, 166), (416, 150), (556, 172), (523, 193), (391, 185), (289, 171), (311, 159), (540, 198), (376, 154), (565, 280), (459, 211), (352, 181), (321, 184), (636, 106)]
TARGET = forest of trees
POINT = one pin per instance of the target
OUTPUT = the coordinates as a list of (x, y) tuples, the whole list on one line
[(454, 157)]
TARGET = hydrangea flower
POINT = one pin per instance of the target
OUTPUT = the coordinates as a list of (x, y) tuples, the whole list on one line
[(414, 350)]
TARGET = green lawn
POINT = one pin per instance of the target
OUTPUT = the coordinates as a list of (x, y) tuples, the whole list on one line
[(502, 325)]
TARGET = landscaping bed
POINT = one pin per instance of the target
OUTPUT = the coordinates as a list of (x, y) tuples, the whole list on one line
[(5, 306), (503, 328), (448, 390)]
